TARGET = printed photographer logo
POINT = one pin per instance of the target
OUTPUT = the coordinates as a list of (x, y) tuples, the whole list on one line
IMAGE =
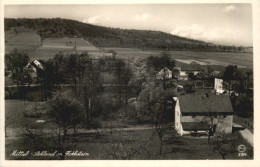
[(241, 149)]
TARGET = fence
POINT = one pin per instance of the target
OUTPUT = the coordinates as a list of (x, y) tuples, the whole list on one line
[(246, 122)]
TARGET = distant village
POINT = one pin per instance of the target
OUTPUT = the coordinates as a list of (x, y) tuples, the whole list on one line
[(194, 110), (191, 97)]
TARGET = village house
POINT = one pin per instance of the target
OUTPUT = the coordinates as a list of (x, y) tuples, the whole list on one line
[(199, 113), (190, 68), (34, 68), (165, 73)]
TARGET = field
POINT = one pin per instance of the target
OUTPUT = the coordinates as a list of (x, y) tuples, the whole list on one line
[(214, 58), (14, 110), (30, 42), (22, 36), (22, 39), (67, 43)]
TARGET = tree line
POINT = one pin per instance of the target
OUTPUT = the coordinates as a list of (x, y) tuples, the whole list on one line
[(114, 37)]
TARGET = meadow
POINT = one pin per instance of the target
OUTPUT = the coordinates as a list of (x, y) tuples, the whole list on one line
[(100, 145), (22, 36), (30, 42), (15, 112), (214, 58)]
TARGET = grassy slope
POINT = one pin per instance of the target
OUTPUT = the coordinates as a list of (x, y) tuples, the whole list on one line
[(22, 36), (181, 148), (23, 39), (28, 41), (14, 110)]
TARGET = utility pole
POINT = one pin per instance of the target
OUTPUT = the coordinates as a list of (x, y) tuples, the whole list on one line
[(126, 85)]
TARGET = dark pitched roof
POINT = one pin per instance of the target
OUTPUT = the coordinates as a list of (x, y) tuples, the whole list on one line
[(38, 68), (176, 69), (35, 66), (190, 67), (43, 62), (199, 103), (217, 67), (190, 126)]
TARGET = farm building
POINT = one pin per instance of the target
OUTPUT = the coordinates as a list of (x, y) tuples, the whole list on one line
[(190, 68), (34, 68), (165, 73), (200, 113), (191, 61)]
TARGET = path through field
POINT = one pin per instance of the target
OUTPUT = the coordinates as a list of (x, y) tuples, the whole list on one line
[(246, 134)]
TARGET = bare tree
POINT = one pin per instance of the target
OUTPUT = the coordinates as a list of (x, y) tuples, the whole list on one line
[(89, 89), (7, 122), (164, 130), (223, 144), (154, 99), (123, 76), (16, 62), (65, 114), (77, 65), (122, 146)]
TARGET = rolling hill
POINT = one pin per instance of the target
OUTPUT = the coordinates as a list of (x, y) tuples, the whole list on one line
[(112, 37)]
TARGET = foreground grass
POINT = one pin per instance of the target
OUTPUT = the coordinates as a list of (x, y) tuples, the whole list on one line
[(144, 142), (14, 113)]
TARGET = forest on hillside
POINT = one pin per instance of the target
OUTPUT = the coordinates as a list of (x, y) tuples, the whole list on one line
[(114, 37)]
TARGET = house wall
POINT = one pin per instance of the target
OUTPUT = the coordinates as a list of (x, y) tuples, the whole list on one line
[(31, 70), (36, 62), (223, 124), (164, 72), (178, 126), (183, 73), (195, 72), (218, 85)]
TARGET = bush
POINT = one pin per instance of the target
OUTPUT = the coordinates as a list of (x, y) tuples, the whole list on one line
[(34, 96), (131, 112), (95, 124), (188, 88), (32, 112), (244, 106), (11, 93)]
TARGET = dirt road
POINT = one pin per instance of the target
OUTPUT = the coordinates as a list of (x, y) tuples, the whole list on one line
[(246, 134)]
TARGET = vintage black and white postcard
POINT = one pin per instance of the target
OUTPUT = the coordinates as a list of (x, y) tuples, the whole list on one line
[(129, 81)]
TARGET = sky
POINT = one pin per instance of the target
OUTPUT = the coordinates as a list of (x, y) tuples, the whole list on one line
[(229, 24)]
